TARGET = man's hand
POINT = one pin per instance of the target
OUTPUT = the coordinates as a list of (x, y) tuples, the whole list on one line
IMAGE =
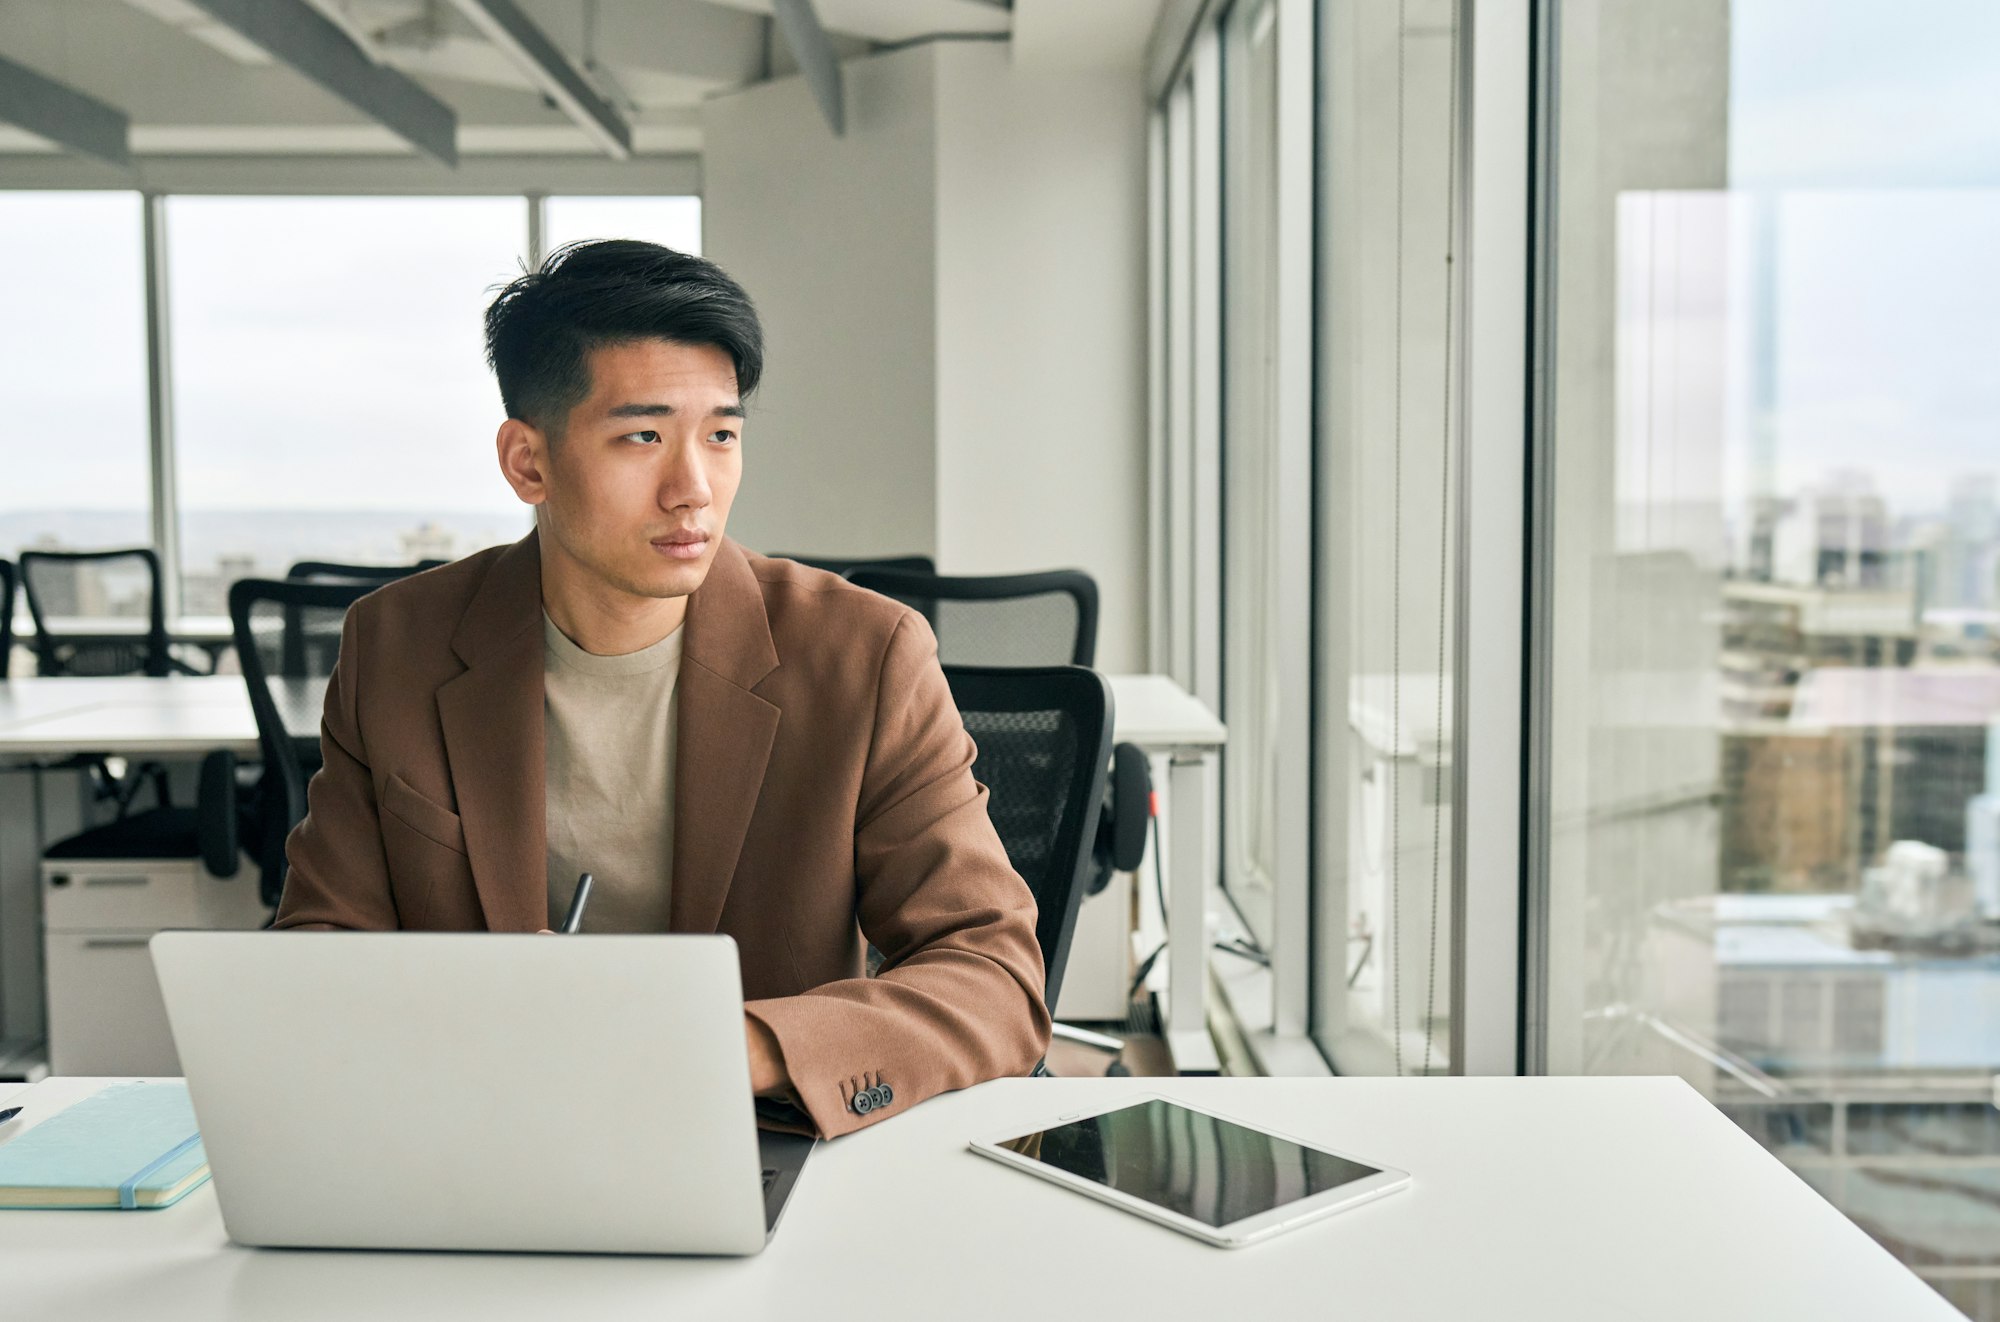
[(768, 1077)]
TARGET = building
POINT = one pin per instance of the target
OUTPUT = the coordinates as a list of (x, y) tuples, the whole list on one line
[(1773, 634), (1834, 534)]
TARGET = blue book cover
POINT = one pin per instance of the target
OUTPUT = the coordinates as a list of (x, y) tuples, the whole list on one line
[(129, 1145)]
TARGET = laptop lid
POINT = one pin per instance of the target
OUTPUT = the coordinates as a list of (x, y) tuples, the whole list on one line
[(470, 1090)]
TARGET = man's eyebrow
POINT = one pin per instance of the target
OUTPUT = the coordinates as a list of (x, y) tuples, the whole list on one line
[(668, 410)]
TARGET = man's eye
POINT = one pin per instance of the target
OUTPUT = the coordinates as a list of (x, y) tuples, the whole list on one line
[(723, 437), (644, 437)]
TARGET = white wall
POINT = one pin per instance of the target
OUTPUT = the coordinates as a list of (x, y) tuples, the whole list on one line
[(955, 299), (1041, 306), (835, 240)]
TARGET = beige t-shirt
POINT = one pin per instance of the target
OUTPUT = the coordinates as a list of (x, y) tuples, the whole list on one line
[(609, 728)]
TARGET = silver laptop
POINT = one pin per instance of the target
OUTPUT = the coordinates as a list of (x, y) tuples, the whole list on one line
[(476, 1091)]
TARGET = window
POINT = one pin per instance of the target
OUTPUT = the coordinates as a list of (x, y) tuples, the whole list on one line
[(673, 221), (1774, 716), (1387, 511), (1304, 464), (1268, 736), (73, 373), (330, 390)]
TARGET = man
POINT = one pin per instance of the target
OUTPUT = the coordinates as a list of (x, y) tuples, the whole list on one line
[(728, 743)]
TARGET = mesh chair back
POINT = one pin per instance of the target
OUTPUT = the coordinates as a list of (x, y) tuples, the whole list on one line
[(1004, 620), (328, 571), (908, 564), (1044, 739), (6, 617), (121, 584), (287, 640)]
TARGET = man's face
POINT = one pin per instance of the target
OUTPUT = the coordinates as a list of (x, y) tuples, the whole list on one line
[(638, 489)]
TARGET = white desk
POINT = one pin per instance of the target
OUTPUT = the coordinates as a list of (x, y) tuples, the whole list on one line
[(1169, 722), (200, 630), (136, 716), (1545, 1199), (186, 716)]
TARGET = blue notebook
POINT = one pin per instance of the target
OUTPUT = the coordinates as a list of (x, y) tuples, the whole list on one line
[(129, 1145)]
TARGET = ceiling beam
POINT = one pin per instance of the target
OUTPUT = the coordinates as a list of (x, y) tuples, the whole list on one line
[(65, 116), (502, 23), (813, 49), (300, 36), (891, 21)]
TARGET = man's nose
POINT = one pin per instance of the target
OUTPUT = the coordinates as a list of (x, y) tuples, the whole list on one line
[(685, 481)]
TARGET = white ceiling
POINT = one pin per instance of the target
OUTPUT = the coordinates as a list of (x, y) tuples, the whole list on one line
[(193, 87)]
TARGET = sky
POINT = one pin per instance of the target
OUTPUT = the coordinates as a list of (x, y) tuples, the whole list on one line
[(1880, 127)]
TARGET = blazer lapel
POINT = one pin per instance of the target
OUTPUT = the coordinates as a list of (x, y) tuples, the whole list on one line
[(492, 719), (725, 736)]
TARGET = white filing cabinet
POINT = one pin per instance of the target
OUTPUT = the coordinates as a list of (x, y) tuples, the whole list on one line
[(104, 1009)]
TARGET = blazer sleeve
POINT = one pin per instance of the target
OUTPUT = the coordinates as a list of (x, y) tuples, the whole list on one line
[(339, 875), (958, 998)]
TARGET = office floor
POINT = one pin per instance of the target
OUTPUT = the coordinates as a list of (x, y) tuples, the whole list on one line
[(1145, 1055)]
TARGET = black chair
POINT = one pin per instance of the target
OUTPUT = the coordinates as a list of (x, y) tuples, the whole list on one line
[(1032, 620), (60, 583), (6, 618), (1043, 736), (287, 640), (1000, 620), (294, 660), (161, 833), (328, 571), (910, 564)]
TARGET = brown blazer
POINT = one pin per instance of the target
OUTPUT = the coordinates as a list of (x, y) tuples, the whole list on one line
[(823, 792)]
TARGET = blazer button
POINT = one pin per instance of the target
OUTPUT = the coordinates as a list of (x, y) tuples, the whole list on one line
[(863, 1103), (888, 1095)]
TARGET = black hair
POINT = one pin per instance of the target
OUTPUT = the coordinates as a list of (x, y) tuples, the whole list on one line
[(541, 327)]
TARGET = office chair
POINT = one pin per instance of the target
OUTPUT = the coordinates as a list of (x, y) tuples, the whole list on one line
[(1043, 736), (61, 583), (6, 618), (161, 833), (55, 582), (294, 660), (915, 564), (287, 640), (328, 571), (999, 620), (1032, 620), (1036, 620)]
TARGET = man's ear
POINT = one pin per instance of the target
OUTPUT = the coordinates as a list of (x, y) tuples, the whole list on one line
[(524, 460)]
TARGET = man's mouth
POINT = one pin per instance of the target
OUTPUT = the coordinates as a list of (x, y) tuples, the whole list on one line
[(688, 545)]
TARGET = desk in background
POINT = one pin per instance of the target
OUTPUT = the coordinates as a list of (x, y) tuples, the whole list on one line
[(43, 720), (1543, 1200), (47, 721), (1183, 738)]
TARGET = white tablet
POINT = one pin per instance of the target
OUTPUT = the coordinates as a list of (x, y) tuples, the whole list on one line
[(1218, 1179)]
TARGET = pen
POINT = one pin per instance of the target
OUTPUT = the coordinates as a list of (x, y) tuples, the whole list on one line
[(9, 1114), (573, 920)]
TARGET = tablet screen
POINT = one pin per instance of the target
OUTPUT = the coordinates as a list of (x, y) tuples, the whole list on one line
[(1198, 1165)]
